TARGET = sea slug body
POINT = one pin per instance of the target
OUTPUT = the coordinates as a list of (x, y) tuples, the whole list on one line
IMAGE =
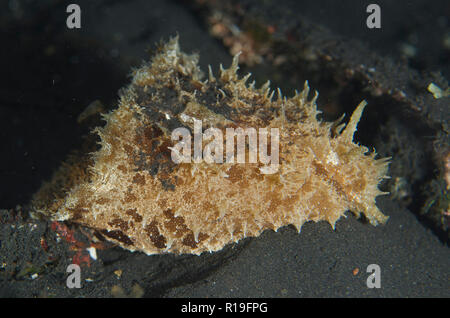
[(132, 192)]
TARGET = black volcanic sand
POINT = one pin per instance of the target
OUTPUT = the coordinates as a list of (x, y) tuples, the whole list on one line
[(318, 262), (51, 74)]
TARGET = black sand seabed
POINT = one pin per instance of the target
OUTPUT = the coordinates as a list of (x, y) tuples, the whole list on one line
[(41, 98)]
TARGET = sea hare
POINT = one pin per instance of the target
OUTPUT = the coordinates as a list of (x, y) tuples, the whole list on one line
[(133, 192)]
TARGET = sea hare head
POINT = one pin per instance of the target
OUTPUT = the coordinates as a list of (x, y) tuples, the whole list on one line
[(133, 191)]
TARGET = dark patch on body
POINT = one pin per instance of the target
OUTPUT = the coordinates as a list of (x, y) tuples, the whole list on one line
[(139, 179), (178, 227), (167, 185), (155, 236), (118, 223), (129, 197), (189, 240), (122, 168), (159, 97), (154, 156), (212, 99), (175, 224), (118, 236), (238, 109), (133, 213)]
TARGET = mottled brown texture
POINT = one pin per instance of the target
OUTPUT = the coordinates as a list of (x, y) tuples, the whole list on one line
[(139, 198)]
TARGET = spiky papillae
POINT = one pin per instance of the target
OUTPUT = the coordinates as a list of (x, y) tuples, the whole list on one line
[(133, 193)]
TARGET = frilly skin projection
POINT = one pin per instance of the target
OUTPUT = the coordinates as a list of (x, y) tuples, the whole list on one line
[(135, 195)]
